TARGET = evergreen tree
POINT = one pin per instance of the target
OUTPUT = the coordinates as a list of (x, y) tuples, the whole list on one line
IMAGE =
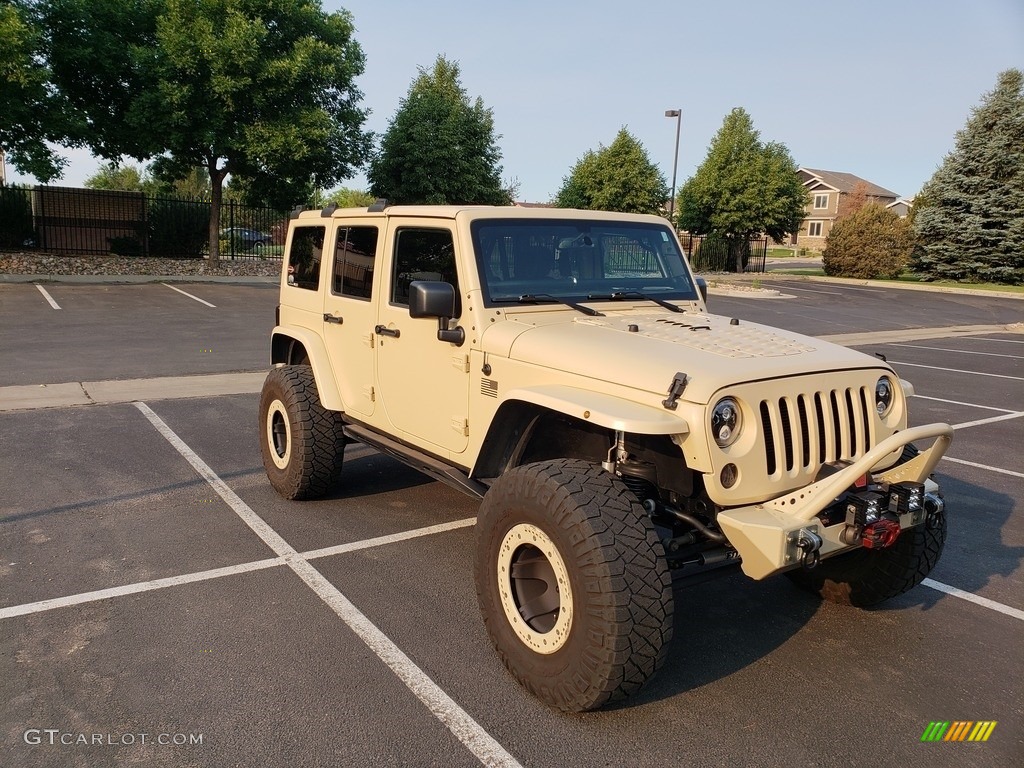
[(440, 147), (744, 188), (619, 177), (969, 217)]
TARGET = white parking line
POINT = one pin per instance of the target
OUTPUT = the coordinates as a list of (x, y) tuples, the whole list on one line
[(218, 573), (983, 466), (973, 598), (958, 351), (47, 296), (989, 420), (441, 705), (186, 293), (1008, 341), (955, 370), (969, 405), (133, 589)]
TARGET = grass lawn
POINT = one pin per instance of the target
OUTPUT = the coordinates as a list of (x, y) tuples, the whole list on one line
[(915, 279)]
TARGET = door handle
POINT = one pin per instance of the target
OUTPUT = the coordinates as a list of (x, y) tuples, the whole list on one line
[(328, 318), (383, 330)]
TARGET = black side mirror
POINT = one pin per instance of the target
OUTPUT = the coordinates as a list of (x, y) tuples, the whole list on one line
[(432, 298)]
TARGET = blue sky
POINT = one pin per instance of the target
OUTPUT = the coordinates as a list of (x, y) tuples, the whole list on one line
[(877, 89)]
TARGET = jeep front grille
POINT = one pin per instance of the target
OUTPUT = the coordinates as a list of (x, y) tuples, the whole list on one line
[(803, 432)]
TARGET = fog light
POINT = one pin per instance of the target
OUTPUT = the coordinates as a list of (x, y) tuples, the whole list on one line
[(863, 508), (906, 497), (729, 475)]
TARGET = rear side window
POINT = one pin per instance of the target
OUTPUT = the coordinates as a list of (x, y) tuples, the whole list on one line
[(304, 257), (354, 256), (422, 254)]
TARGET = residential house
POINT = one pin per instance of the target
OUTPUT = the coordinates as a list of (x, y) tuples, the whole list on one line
[(829, 192)]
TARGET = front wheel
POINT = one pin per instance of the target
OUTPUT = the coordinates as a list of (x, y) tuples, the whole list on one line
[(301, 441), (572, 583)]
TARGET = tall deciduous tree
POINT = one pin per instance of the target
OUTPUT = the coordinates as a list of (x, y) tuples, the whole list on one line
[(259, 91), (440, 147), (30, 113), (744, 188), (619, 177), (969, 217)]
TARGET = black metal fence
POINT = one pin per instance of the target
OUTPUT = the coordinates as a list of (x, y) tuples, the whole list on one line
[(709, 253), (67, 220)]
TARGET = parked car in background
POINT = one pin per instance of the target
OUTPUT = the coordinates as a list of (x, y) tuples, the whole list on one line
[(246, 239)]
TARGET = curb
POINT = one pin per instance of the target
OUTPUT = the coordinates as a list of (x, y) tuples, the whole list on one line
[(768, 276)]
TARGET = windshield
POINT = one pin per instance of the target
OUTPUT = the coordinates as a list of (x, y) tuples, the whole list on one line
[(578, 259)]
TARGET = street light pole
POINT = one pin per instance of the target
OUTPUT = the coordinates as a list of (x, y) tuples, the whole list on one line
[(678, 115)]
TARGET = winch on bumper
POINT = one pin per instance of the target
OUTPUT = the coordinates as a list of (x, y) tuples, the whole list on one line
[(788, 531)]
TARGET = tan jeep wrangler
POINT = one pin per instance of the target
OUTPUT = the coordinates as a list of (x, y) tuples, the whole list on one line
[(562, 366)]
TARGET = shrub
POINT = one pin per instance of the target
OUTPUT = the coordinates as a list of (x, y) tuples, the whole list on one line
[(869, 243), (15, 217), (178, 227)]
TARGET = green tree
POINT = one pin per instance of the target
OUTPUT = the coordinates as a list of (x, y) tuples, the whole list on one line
[(969, 217), (440, 147), (868, 242), (619, 177), (351, 198), (259, 91), (744, 188), (112, 175), (30, 113)]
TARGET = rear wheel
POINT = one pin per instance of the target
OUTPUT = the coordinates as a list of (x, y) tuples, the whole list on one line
[(302, 443), (866, 577), (572, 583)]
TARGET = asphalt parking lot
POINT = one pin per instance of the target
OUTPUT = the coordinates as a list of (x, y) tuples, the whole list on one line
[(160, 602)]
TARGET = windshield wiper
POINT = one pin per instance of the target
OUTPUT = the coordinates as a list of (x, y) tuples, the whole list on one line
[(537, 298), (619, 295)]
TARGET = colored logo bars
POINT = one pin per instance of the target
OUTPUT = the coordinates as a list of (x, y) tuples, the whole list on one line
[(959, 730)]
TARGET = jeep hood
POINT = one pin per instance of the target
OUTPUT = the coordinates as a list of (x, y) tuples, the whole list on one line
[(645, 350)]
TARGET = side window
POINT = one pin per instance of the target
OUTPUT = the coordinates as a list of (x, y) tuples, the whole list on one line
[(353, 262), (422, 254), (304, 258)]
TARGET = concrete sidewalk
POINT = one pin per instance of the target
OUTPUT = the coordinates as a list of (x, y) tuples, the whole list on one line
[(32, 396)]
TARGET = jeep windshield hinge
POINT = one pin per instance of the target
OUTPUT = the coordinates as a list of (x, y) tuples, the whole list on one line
[(675, 391)]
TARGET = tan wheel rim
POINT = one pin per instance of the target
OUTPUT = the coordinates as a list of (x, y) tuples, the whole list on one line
[(279, 434), (533, 584)]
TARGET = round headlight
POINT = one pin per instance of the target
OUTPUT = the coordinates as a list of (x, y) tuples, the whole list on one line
[(725, 422), (883, 395)]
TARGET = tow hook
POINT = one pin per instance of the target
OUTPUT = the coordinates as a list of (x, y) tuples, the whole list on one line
[(934, 506), (880, 534), (809, 544)]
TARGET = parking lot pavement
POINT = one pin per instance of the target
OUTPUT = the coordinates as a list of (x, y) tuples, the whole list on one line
[(106, 332), (152, 583)]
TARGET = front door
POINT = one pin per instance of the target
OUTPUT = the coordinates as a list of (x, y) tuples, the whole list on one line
[(424, 383), (349, 315)]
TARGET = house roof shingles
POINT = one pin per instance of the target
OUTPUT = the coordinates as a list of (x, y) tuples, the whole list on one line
[(845, 182)]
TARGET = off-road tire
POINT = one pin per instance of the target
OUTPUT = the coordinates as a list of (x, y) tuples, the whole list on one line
[(302, 442), (621, 589), (867, 577)]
